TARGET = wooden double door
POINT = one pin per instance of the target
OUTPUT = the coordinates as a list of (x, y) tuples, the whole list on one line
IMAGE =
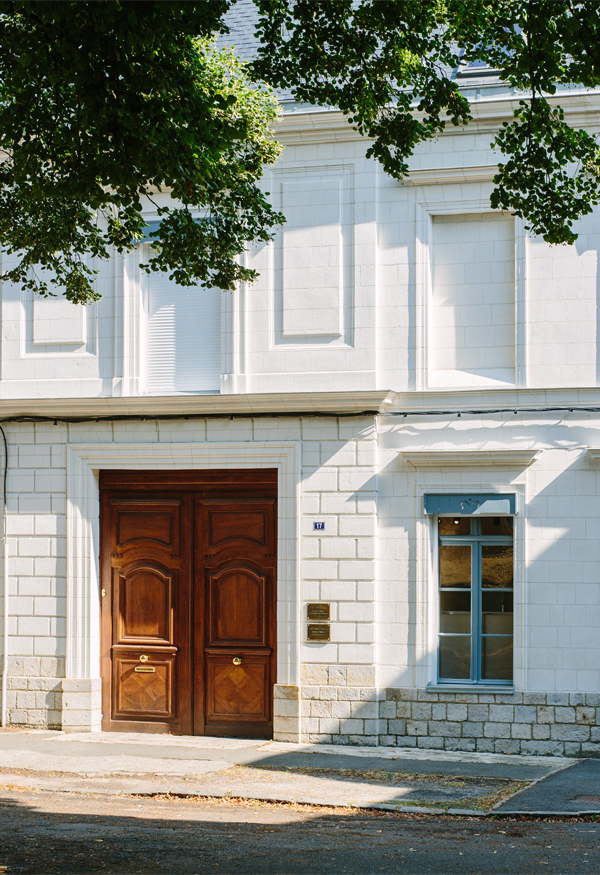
[(188, 596)]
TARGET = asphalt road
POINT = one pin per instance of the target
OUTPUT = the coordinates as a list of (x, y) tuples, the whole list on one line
[(66, 833)]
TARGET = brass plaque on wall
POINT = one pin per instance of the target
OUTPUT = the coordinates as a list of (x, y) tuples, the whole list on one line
[(317, 632), (317, 611)]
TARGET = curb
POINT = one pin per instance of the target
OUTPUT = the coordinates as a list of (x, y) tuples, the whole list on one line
[(595, 812), (340, 803)]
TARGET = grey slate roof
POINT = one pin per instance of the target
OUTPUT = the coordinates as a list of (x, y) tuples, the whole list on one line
[(243, 16), (241, 20)]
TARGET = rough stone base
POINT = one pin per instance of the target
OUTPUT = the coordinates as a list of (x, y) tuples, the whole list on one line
[(39, 696), (541, 724), (34, 692), (339, 705)]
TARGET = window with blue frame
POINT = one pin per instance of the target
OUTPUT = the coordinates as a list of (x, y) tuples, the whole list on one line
[(475, 599)]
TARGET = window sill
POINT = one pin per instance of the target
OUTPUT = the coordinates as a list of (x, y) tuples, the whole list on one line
[(471, 688)]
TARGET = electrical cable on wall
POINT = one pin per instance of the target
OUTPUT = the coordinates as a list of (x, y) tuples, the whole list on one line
[(142, 417)]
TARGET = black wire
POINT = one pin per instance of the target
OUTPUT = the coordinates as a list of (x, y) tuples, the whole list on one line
[(138, 417), (484, 410), (5, 463)]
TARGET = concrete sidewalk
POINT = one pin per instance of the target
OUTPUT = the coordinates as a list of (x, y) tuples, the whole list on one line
[(402, 779)]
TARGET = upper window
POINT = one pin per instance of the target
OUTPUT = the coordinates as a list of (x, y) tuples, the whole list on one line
[(475, 599), (183, 338)]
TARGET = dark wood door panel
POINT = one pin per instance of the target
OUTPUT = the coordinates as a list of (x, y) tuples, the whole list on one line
[(144, 594), (241, 528), (144, 690), (233, 525), (146, 527), (217, 483), (236, 618), (237, 607), (146, 580), (237, 694)]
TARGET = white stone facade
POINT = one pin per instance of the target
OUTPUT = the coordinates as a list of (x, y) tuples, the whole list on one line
[(385, 310)]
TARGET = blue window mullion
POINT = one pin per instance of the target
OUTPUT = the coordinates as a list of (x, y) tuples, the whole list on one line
[(476, 612)]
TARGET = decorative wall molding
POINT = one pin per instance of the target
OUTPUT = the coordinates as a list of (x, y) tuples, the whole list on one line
[(471, 458), (441, 175), (84, 461), (512, 400), (198, 405)]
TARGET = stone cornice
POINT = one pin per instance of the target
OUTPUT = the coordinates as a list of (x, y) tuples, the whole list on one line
[(293, 403), (470, 458), (318, 125), (452, 401), (441, 175)]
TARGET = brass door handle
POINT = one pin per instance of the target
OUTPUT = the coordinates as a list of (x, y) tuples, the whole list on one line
[(144, 658), (237, 660)]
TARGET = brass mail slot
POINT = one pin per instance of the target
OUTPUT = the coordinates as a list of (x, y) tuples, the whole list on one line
[(317, 632), (317, 611), (144, 668)]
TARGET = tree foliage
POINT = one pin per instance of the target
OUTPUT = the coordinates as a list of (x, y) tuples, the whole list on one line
[(388, 65), (102, 106), (105, 104)]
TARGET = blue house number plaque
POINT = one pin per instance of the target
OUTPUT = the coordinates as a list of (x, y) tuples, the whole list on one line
[(319, 527)]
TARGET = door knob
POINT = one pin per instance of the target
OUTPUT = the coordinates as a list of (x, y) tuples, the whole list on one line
[(237, 660), (143, 658)]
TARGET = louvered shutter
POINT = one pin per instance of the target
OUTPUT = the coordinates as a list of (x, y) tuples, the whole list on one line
[(184, 338)]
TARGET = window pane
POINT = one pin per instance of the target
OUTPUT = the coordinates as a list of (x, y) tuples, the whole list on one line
[(455, 612), (496, 525), (497, 613), (496, 659), (497, 566), (455, 565), (460, 525), (455, 657)]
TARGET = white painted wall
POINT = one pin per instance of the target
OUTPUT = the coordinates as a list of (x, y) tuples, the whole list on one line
[(353, 293)]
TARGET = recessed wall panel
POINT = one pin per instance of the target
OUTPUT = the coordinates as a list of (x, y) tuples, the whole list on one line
[(56, 320), (472, 307), (313, 270)]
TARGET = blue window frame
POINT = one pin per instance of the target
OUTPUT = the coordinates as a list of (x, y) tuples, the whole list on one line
[(475, 644)]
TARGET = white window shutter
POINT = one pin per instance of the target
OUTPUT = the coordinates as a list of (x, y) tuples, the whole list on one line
[(184, 338)]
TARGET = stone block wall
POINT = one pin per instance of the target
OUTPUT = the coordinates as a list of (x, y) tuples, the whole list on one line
[(34, 696), (541, 724), (339, 705)]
